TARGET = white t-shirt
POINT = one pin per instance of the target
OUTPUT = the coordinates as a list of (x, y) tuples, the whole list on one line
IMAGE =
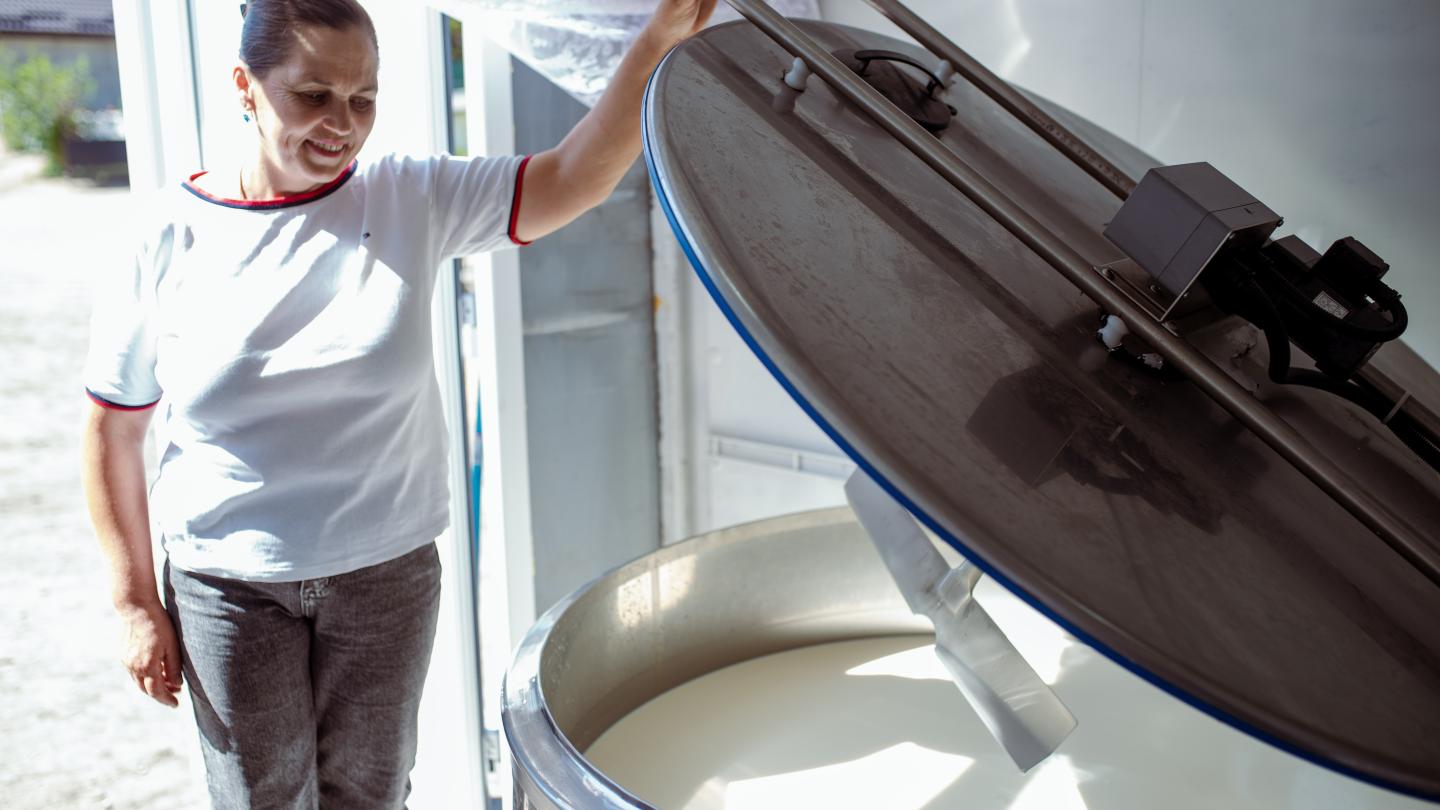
[(288, 346)]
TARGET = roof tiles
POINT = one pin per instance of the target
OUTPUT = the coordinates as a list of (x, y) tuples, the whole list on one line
[(82, 17)]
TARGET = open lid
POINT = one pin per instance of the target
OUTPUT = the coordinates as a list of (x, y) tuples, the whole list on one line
[(959, 370)]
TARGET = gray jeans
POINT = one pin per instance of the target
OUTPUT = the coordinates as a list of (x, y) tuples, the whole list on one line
[(306, 693)]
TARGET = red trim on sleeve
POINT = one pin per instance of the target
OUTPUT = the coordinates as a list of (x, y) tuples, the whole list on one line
[(515, 201), (115, 406)]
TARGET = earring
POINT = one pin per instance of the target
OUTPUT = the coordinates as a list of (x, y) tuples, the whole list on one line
[(246, 116)]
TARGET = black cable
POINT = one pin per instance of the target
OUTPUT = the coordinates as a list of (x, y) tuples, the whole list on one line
[(1378, 406), (1387, 298), (1280, 370), (1375, 405), (1365, 396)]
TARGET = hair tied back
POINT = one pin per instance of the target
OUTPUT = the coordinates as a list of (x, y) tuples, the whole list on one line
[(268, 28)]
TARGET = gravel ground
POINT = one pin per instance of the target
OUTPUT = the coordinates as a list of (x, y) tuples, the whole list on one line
[(74, 732)]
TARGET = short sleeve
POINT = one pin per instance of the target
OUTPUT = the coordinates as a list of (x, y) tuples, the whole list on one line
[(475, 202), (120, 366)]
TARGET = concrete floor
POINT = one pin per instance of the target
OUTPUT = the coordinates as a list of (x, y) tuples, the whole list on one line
[(74, 731)]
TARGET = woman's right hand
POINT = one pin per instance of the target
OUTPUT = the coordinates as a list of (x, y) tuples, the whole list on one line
[(151, 651), (113, 445)]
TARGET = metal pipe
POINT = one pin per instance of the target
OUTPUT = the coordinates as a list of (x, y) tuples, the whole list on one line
[(999, 90), (1206, 375)]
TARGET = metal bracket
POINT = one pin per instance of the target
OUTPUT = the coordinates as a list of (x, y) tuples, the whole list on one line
[(1025, 716)]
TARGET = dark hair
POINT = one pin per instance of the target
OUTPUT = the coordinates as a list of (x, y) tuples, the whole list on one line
[(265, 38)]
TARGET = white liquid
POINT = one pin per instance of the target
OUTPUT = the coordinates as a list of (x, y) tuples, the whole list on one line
[(877, 724)]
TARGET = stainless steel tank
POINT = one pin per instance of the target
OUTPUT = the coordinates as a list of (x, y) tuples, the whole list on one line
[(672, 616), (777, 585)]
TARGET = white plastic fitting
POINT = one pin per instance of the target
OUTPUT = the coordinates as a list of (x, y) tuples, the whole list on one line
[(1112, 332), (945, 72), (797, 75)]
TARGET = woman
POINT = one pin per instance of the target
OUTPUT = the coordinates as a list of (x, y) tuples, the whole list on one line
[(280, 312)]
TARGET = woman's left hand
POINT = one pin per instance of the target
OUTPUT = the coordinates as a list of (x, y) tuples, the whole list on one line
[(675, 20)]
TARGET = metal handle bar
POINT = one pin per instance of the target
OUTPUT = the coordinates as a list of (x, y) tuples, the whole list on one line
[(1054, 133), (1206, 375), (865, 57)]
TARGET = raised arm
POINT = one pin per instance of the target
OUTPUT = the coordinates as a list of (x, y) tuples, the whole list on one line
[(567, 180), (114, 475)]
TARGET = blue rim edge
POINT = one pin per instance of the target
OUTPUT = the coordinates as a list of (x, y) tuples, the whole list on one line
[(940, 531)]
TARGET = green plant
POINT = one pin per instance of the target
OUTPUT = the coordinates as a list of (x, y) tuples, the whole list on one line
[(38, 99)]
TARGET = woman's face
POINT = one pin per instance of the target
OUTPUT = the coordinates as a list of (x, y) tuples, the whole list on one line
[(314, 111)]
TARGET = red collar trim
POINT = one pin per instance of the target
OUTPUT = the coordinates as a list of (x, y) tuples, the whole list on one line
[(275, 202)]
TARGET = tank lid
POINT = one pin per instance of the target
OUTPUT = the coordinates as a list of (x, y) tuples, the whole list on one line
[(961, 373)]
